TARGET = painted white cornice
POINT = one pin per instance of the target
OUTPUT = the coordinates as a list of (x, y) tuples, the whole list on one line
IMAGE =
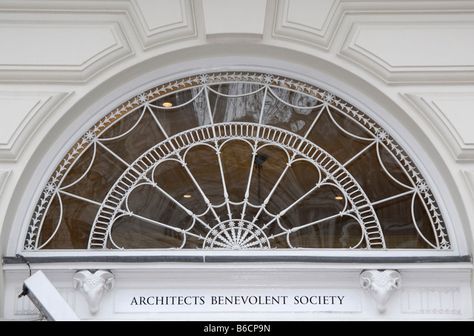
[(4, 174)]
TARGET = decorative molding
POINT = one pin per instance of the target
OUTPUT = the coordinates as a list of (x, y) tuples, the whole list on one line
[(26, 111), (318, 23), (234, 17), (380, 285), (157, 26), (460, 114), (4, 174), (431, 300), (116, 20), (450, 114), (469, 178), (306, 21), (59, 47), (93, 286), (298, 21), (391, 50), (16, 110)]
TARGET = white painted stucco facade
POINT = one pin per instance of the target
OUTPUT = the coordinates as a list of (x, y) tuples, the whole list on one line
[(410, 64)]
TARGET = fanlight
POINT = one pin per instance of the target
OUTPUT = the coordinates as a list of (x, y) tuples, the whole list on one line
[(236, 161)]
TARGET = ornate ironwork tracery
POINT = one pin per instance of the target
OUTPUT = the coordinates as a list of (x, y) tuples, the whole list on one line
[(236, 161)]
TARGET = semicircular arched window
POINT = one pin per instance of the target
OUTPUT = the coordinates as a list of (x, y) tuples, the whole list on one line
[(236, 161)]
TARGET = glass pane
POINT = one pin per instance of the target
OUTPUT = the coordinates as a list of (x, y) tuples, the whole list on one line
[(177, 183), (397, 223), (298, 180), (376, 183), (105, 170), (73, 233), (140, 135), (317, 206), (187, 109), (336, 142), (269, 165), (296, 120), (129, 233), (203, 163), (226, 107), (236, 161), (342, 232)]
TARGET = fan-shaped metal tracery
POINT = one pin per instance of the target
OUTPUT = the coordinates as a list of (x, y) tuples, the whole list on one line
[(236, 161)]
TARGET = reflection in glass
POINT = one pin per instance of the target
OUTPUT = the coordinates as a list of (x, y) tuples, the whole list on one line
[(263, 163)]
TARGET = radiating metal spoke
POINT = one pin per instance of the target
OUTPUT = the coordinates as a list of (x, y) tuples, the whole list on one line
[(85, 199), (254, 154), (201, 192), (311, 127), (392, 197), (362, 151), (172, 199), (287, 167), (218, 152), (186, 168), (157, 122), (115, 155), (284, 211), (270, 194), (163, 225), (301, 227), (344, 213)]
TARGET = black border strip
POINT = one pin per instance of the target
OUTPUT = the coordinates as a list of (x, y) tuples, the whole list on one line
[(10, 260)]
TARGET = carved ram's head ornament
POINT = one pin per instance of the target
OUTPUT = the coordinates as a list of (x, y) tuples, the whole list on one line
[(93, 286), (380, 285)]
